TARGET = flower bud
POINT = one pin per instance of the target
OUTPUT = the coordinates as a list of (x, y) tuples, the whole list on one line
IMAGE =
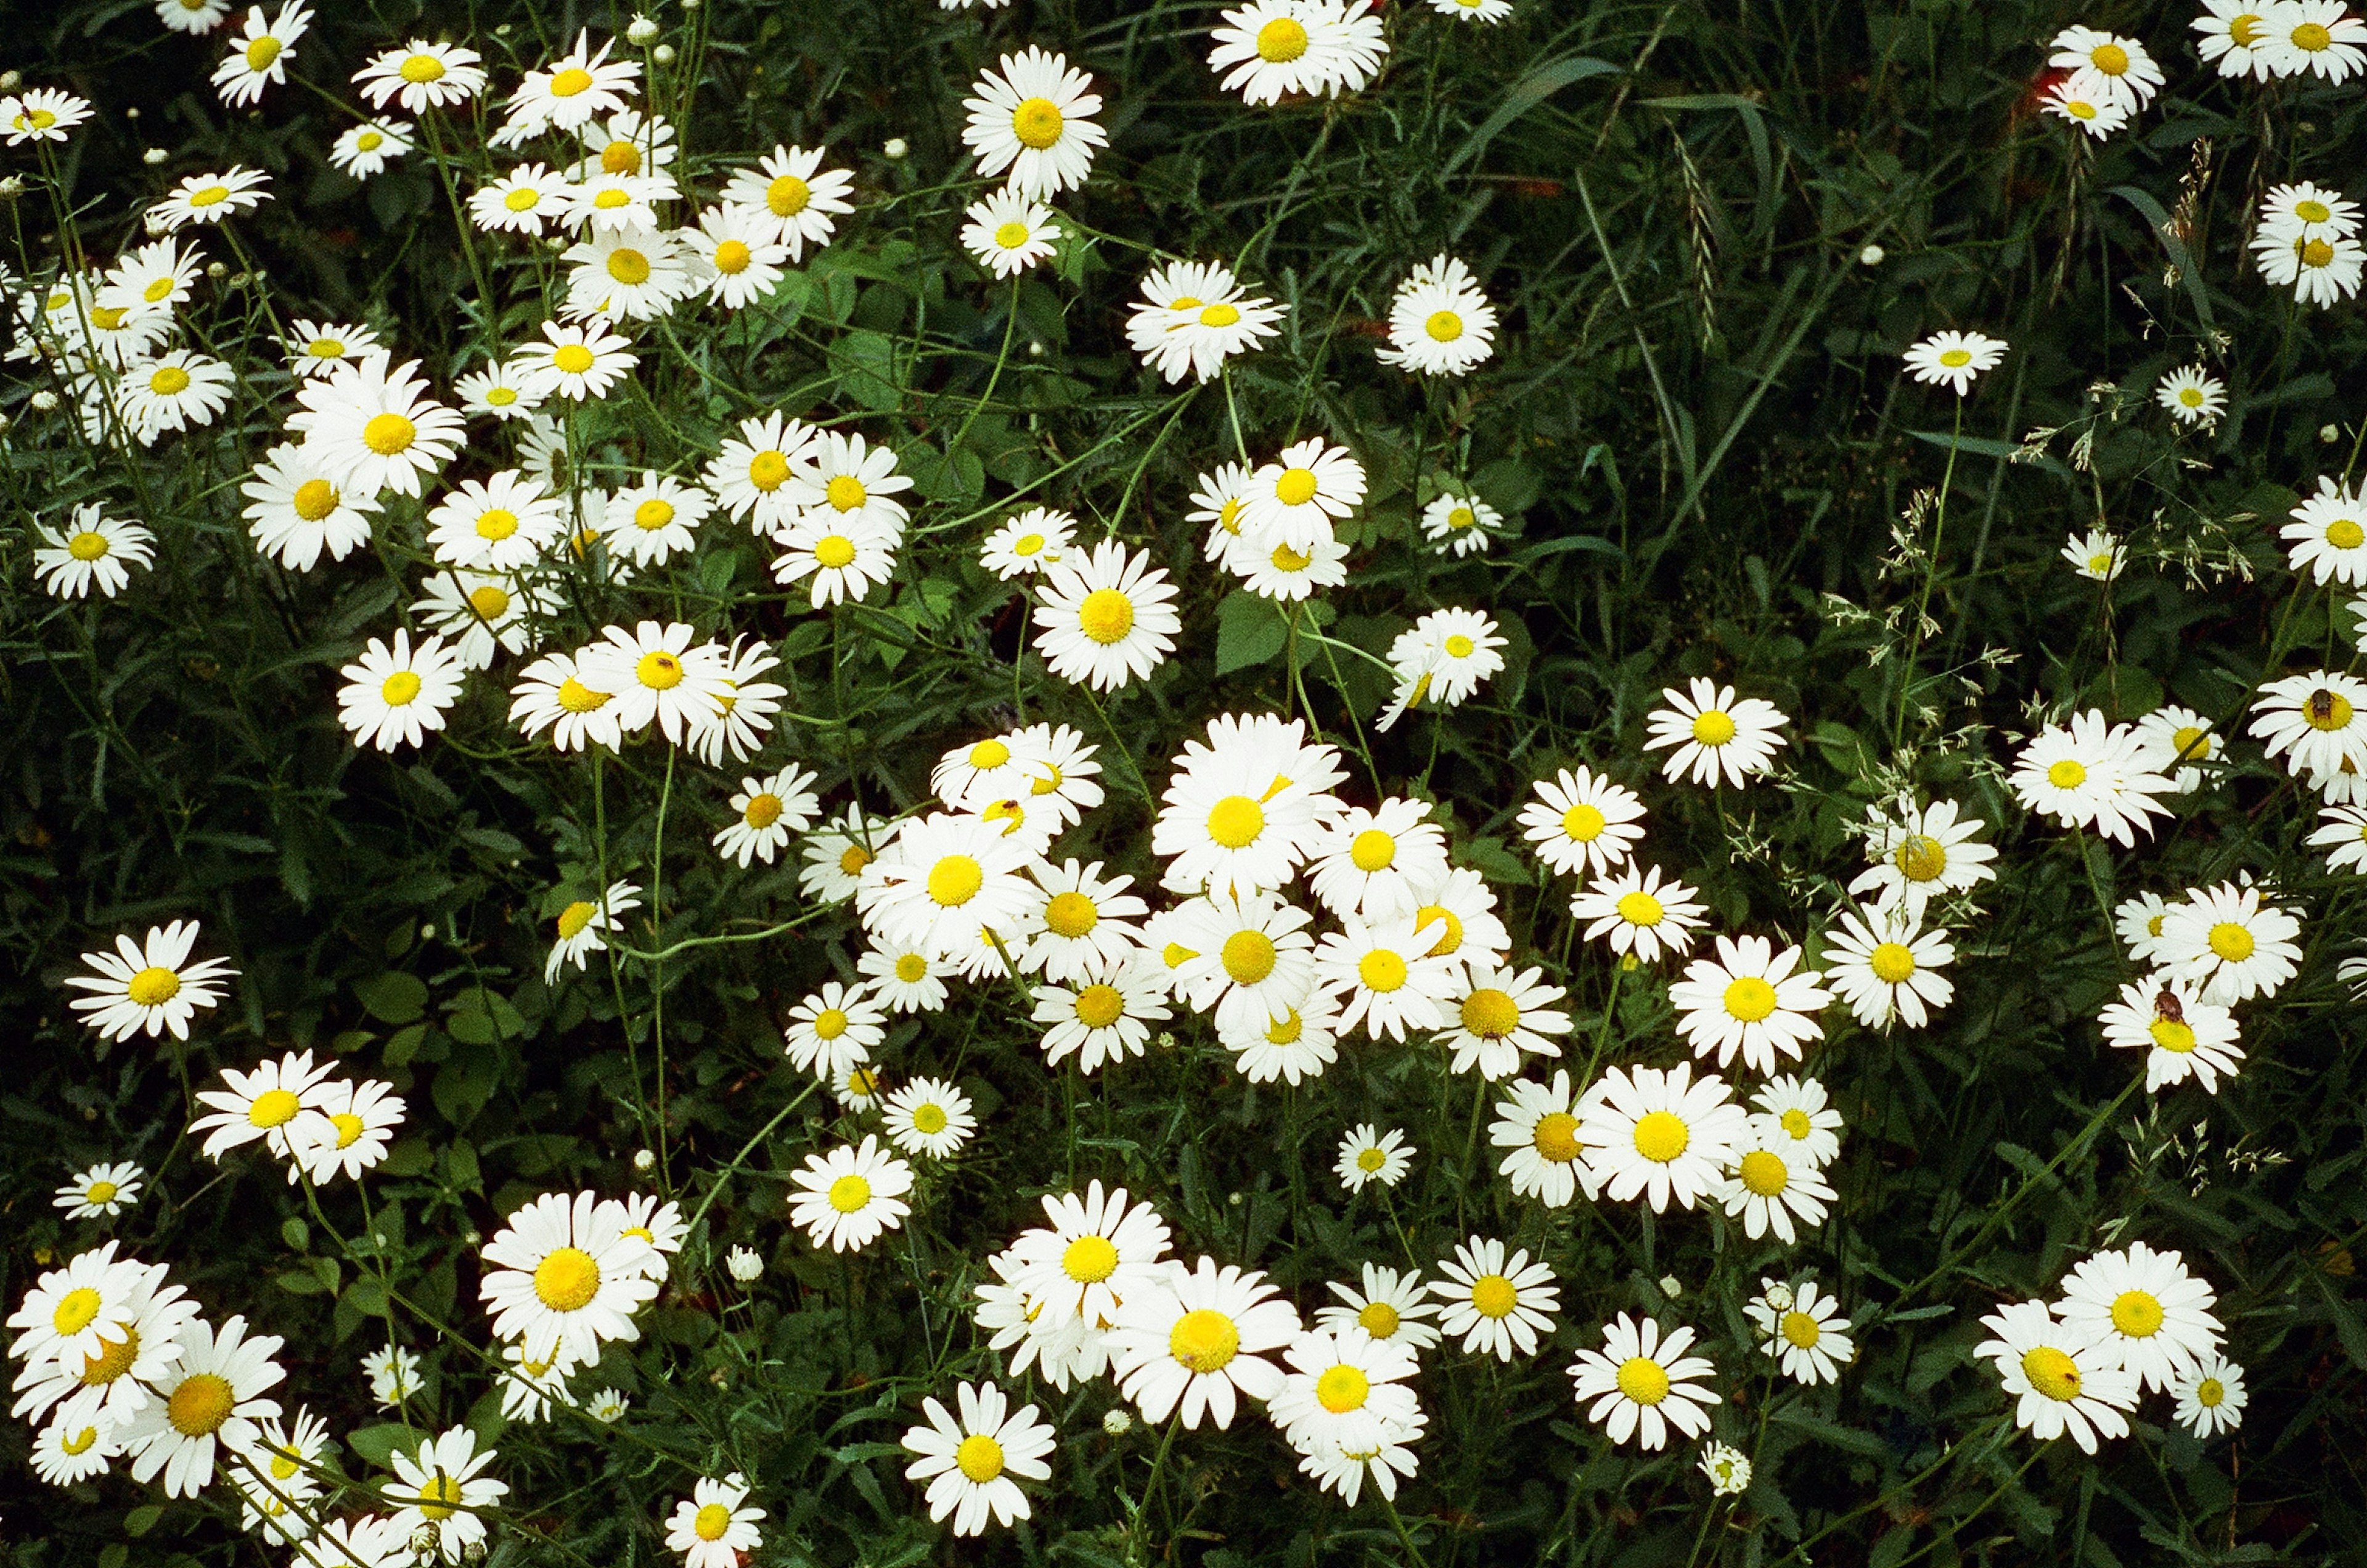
[(154, 156), (745, 1264), (896, 149), (641, 32), (1870, 257)]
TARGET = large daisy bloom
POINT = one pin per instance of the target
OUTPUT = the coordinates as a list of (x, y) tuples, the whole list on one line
[(211, 1399), (2059, 1379), (1106, 619), (2314, 38), (1751, 998), (2106, 66), (654, 673), (1106, 1017), (294, 512), (1084, 926), (1095, 1253), (1007, 233), (1440, 322), (842, 561), (846, 1197), (150, 986), (1272, 49), (742, 262), (2143, 1309), (974, 1464), (564, 1274), (397, 696), (1036, 120), (1296, 499), (1638, 913), (2229, 944), (2316, 721), (842, 481), (1653, 1134), (178, 390), (1802, 1328), (421, 75), (1246, 808), (1952, 360), (575, 362), (1715, 735), (1885, 969), (1499, 1306), (2328, 537), (2235, 36), (1346, 1390), (1921, 852), (1581, 823), (501, 523), (1773, 1183), (259, 53), (96, 551), (1536, 1123), (714, 1527), (749, 474), (2092, 773), (793, 201), (579, 88), (370, 427), (1498, 1016), (1193, 316), (518, 202), (1641, 1383), (1198, 1342), (942, 884), (438, 1488), (2321, 269), (73, 1314), (633, 274), (262, 1105), (1388, 975)]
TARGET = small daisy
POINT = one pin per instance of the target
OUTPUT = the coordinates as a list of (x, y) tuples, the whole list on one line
[(2342, 833), (713, 1528), (2176, 739), (903, 980), (770, 810), (519, 202), (1461, 907), (1218, 503), (2092, 773), (1083, 925), (1194, 1346), (209, 198), (1500, 1307), (1921, 852), (101, 1190), (1027, 543), (834, 1029), (2210, 1397), (345, 1129), (1793, 1110), (192, 16), (371, 427), (71, 1315), (1639, 914), (1460, 524), (631, 274), (1346, 1390), (1536, 1123), (149, 987), (1269, 50), (499, 390), (502, 524), (421, 75), (1885, 969), (96, 551), (1581, 823), (2328, 537), (1641, 1383), (794, 200), (68, 1451), (577, 362), (1498, 1017), (1772, 1184), (1716, 735), (481, 613), (1451, 651), (1801, 1327), (2229, 945), (394, 1374), (2234, 35), (397, 696), (607, 1406), (1106, 1017), (159, 275), (2182, 1034), (2145, 1311), (579, 88), (439, 1491), (1107, 618), (1036, 120), (211, 1401), (2192, 396), (2096, 555), (1748, 998), (1489, 11), (1296, 499), (2058, 1379), (1389, 1306), (850, 486), (649, 522), (1367, 1154), (175, 391), (974, 1464), (1653, 1134), (2322, 271), (261, 1106), (259, 54), (836, 855), (2317, 722), (928, 1116), (2106, 65), (1952, 360), (846, 1197), (366, 149), (1368, 862), (751, 474), (550, 694), (1008, 233), (1440, 322), (583, 926), (2099, 116), (743, 262), (314, 348)]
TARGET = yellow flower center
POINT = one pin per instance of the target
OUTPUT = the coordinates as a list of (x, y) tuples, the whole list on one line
[(2066, 775), (201, 1404), (1098, 1006), (76, 1310), (652, 514), (788, 195), (388, 434), (1463, 517), (768, 470), (1491, 1014), (1555, 1137), (2315, 253), (1285, 1031), (114, 1359), (1459, 646), (1957, 358), (1661, 1135), (100, 1192), (1371, 851), (979, 1459), (929, 1119), (1219, 315), (168, 380), (574, 918), (1796, 1123), (1643, 1380), (567, 1279), (1248, 956), (2231, 941), (157, 291), (2209, 1392), (2345, 534), (571, 357), (440, 1497), (711, 1522), (627, 266), (1236, 821), (849, 1194), (830, 1023), (2245, 31), (212, 196), (658, 669), (1713, 727), (1492, 1295), (349, 1126), (153, 987), (1089, 1260), (399, 689), (845, 492), (761, 810), (523, 199), (620, 157), (2110, 58), (1295, 487), (1342, 1388), (2172, 1036), (260, 52), (732, 257), (420, 68), (2051, 1372), (1450, 926), (1106, 617), (1892, 962), (1381, 970), (2312, 36), (571, 82), (1012, 235), (86, 546), (911, 968), (1280, 41), (273, 1108), (853, 859), (2327, 710), (1765, 1174), (577, 697), (1379, 1319), (1583, 823), (1203, 1339), (106, 318), (81, 1441), (1639, 909), (1071, 915), (955, 881), (1443, 326), (1750, 999), (490, 603), (1800, 1330), (1036, 122), (833, 552), (2137, 1313)]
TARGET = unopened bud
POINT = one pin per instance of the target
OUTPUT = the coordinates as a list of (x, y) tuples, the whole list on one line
[(644, 1159), (662, 54), (1870, 257), (896, 149), (44, 402), (641, 32), (154, 156)]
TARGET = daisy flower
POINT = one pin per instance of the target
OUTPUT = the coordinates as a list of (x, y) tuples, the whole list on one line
[(1246, 808), (135, 1330), (1440, 322), (1490, 11), (585, 360), (1105, 1018), (2342, 832), (365, 149), (605, 203), (1715, 735), (1104, 619), (943, 882), (2192, 396), (1027, 543), (1083, 925), (439, 1490), (713, 1528), (1389, 1306), (1638, 913), (1536, 1123), (1218, 503), (1461, 907), (149, 987), (902, 979), (397, 696), (209, 198), (1370, 861), (1366, 1154), (1296, 499), (1921, 852), (1653, 1134), (421, 75), (370, 427), (211, 1399), (793, 201), (562, 1276), (1748, 998), (607, 1406), (155, 277), (1801, 1327), (393, 1373), (2098, 116), (2095, 554), (2229, 945), (1386, 977), (2175, 738), (2321, 270), (770, 810), (102, 1189), (633, 275), (656, 673), (1795, 1109), (2314, 38), (2142, 1310), (1094, 1255), (2210, 1397), (1952, 360), (1500, 1016), (2328, 537), (192, 16), (2092, 773), (583, 926), (1007, 233), (841, 482), (1301, 1044), (1272, 49), (928, 1116), (72, 1314), (502, 524), (835, 856), (500, 390), (1197, 1344), (834, 1029), (66, 1452), (2234, 36), (259, 54), (1449, 652), (1641, 1383), (179, 390), (1344, 1390), (974, 1464), (519, 201), (743, 261), (649, 522), (2317, 722), (2182, 1034), (629, 143), (1195, 315), (751, 473), (2059, 1380), (1885, 969), (1460, 524), (261, 1106), (2106, 66), (483, 612), (345, 1129), (1035, 119), (1581, 823), (1773, 1183), (314, 348), (2305, 210), (579, 88), (1499, 1305), (1344, 1470), (97, 551), (550, 694)]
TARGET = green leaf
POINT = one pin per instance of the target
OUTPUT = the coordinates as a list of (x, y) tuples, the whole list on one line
[(141, 1521), (377, 1443), (1523, 96), (1250, 630), (394, 996)]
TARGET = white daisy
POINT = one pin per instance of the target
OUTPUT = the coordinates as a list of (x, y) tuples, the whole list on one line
[(499, 390), (631, 274), (2181, 1033), (770, 810), (1346, 1390), (1750, 999), (561, 1277), (1105, 1018), (2192, 396), (834, 1029), (749, 474), (1638, 913), (2316, 38), (1498, 1017), (1655, 1136), (575, 362), (519, 202), (397, 696), (1272, 49), (2210, 1397), (1499, 1306), (1802, 1328), (2092, 773), (971, 1463), (1196, 1343), (1795, 1109), (1007, 233), (942, 884), (209, 1402), (421, 75), (1715, 735), (261, 1106), (2145, 1311), (1027, 542), (2176, 738), (1885, 969), (2316, 721), (96, 551), (2233, 36), (1772, 1184), (1641, 1383), (835, 856), (2058, 1379), (1104, 619), (582, 927), (657, 674), (345, 1129), (1195, 315), (743, 262), (1036, 120), (1459, 524), (714, 1527), (1440, 322), (1536, 1123), (928, 1116), (370, 427), (1921, 852), (1951, 359), (1367, 1154), (259, 54), (2229, 944), (209, 198), (366, 149), (439, 1491), (150, 986), (793, 199), (2328, 537), (1389, 1305), (1296, 499), (578, 88), (103, 1189)]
